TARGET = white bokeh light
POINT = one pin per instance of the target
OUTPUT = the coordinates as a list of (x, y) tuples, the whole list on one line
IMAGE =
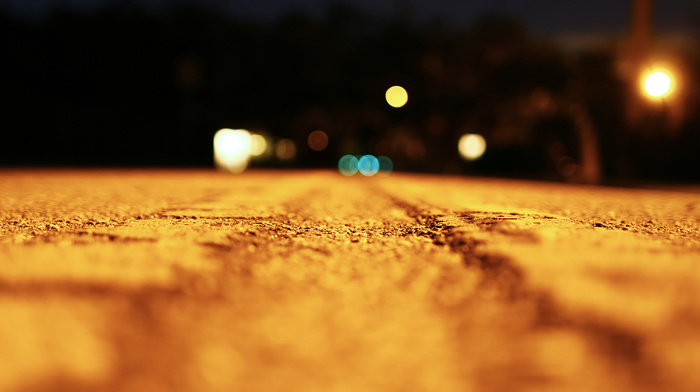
[(657, 84), (471, 146), (232, 149)]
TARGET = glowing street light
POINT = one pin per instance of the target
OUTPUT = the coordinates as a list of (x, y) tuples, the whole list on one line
[(658, 84), (396, 96)]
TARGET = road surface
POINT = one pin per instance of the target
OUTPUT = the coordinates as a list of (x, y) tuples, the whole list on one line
[(167, 280)]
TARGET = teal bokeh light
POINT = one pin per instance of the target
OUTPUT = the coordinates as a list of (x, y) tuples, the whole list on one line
[(368, 165), (348, 165), (386, 166)]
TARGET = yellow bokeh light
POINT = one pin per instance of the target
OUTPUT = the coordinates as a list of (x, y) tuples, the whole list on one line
[(396, 96), (285, 149), (232, 148), (471, 146), (658, 84), (258, 145)]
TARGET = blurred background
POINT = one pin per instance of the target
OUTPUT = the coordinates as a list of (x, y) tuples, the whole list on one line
[(528, 89)]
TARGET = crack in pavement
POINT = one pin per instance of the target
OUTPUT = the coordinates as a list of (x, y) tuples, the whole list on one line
[(620, 347)]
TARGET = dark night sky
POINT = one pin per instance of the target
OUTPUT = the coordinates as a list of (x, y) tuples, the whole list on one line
[(77, 79), (545, 17)]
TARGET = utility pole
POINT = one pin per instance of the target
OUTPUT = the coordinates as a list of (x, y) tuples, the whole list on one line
[(634, 59), (637, 51), (640, 29)]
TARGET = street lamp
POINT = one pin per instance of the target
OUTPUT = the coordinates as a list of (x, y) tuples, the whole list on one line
[(663, 88), (658, 83)]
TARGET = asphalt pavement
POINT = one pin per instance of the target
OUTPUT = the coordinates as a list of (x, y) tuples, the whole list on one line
[(196, 280)]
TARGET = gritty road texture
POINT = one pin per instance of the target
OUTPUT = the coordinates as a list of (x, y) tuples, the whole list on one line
[(310, 281)]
